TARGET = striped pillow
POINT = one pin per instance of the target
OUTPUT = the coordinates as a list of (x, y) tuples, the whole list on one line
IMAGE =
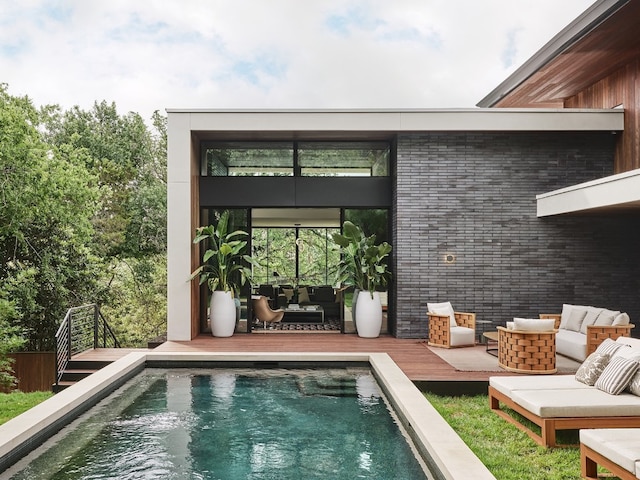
[(617, 375), (609, 346)]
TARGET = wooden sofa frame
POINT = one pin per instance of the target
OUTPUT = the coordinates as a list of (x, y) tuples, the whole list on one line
[(596, 334), (549, 425), (439, 328), (590, 459)]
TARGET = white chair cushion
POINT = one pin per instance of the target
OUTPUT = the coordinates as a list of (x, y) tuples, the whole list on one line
[(533, 324), (462, 336), (443, 308)]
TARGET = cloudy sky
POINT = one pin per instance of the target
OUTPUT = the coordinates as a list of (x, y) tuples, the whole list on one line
[(148, 55)]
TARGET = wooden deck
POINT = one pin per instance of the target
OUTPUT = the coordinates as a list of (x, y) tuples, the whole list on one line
[(411, 355)]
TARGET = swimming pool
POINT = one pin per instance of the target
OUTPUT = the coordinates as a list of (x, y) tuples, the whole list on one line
[(441, 449), (234, 424)]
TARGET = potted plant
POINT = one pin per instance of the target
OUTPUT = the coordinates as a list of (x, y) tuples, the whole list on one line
[(225, 267), (363, 265)]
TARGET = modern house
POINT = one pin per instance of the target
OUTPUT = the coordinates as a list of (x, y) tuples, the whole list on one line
[(510, 209)]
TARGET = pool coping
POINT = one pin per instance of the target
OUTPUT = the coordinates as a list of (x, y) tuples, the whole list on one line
[(441, 448)]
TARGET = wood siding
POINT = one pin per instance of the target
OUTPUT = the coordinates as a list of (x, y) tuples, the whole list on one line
[(620, 88), (35, 371)]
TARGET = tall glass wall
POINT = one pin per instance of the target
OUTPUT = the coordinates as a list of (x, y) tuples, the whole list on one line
[(294, 256)]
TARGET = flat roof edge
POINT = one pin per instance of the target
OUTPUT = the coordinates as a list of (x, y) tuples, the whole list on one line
[(519, 119), (619, 189)]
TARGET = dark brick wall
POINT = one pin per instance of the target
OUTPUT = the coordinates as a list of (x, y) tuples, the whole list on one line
[(473, 195)]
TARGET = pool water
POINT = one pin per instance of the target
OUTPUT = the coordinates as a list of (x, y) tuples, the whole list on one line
[(232, 424)]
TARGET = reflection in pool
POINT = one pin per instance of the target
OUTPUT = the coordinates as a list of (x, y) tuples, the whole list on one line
[(233, 424)]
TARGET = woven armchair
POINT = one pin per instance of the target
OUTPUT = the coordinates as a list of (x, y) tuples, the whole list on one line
[(442, 334)]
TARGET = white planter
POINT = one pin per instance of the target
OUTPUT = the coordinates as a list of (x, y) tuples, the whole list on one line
[(368, 315), (222, 314)]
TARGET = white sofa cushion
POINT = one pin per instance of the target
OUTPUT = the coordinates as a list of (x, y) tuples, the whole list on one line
[(508, 384), (574, 322), (606, 317), (587, 402), (622, 319), (567, 308), (462, 336), (571, 344), (616, 375), (620, 445), (590, 318), (443, 308)]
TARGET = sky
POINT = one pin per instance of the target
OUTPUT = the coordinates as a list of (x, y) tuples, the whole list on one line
[(148, 55)]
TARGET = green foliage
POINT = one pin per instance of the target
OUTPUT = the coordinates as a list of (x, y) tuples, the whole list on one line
[(11, 340), (135, 304), (363, 264), (82, 217), (13, 404), (508, 453), (48, 199), (225, 266)]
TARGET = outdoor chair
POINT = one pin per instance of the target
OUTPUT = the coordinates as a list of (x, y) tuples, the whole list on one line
[(264, 313), (448, 328)]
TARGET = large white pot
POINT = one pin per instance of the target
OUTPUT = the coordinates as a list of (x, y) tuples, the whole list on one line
[(222, 313), (368, 315)]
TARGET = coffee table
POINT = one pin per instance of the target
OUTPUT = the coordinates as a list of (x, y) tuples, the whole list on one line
[(310, 313), (491, 339)]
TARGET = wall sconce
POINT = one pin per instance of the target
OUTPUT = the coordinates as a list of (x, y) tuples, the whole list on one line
[(449, 258)]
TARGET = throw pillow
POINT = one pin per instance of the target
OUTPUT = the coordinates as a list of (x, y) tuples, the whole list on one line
[(592, 367), (590, 318), (608, 346), (564, 318), (534, 324), (606, 317), (443, 308), (622, 319), (617, 375), (575, 319), (634, 384), (303, 295)]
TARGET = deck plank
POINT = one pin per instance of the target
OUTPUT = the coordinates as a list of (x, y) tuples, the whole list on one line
[(412, 355)]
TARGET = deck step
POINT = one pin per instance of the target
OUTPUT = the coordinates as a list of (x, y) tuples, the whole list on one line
[(77, 370)]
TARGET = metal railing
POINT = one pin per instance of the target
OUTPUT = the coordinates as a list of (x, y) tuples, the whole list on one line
[(82, 329)]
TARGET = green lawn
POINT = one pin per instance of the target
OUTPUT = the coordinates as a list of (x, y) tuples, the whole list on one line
[(506, 451), (13, 404)]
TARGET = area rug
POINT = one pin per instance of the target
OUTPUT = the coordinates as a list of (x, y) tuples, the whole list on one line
[(476, 359), (329, 326)]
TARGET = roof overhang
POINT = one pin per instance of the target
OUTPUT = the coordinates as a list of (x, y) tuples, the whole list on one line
[(558, 70), (619, 193), (265, 124)]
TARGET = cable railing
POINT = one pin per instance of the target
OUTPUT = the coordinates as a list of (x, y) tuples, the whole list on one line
[(82, 329)]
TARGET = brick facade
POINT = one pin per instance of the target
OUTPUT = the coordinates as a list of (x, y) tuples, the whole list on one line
[(473, 196)]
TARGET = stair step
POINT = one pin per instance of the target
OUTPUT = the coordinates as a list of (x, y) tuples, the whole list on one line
[(77, 374)]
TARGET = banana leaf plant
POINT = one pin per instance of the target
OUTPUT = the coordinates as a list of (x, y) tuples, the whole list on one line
[(363, 264), (225, 266)]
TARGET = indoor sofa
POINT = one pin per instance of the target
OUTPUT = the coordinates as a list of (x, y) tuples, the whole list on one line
[(581, 329), (568, 402)]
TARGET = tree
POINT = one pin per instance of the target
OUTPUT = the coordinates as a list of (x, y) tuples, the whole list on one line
[(48, 198)]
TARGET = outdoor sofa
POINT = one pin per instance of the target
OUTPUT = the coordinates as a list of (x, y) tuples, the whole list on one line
[(581, 329), (564, 402)]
